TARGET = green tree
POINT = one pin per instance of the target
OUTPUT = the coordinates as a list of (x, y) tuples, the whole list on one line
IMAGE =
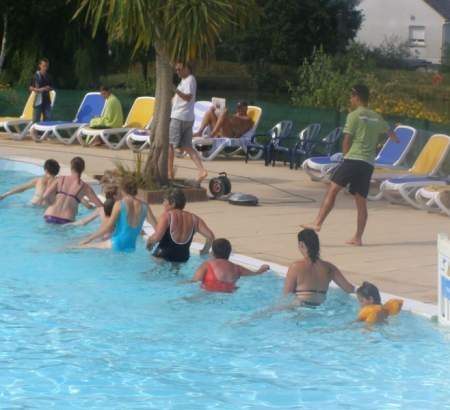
[(183, 30)]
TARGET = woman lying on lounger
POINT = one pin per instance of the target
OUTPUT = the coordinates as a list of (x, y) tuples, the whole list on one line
[(126, 221), (69, 192), (40, 184), (310, 277)]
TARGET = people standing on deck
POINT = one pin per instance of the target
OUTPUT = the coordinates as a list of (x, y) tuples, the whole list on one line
[(182, 119), (176, 229), (362, 130), (126, 221), (112, 116), (310, 277), (40, 184), (42, 84), (69, 192)]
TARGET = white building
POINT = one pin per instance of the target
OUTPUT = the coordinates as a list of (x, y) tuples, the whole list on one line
[(424, 24)]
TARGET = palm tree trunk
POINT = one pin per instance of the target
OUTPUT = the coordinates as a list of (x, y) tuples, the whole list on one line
[(156, 166), (3, 46)]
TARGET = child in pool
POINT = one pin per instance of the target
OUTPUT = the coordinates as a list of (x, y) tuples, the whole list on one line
[(372, 311), (219, 274)]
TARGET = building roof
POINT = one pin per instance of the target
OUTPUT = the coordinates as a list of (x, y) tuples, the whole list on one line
[(441, 6)]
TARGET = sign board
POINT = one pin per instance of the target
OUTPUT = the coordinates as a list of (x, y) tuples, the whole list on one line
[(444, 279)]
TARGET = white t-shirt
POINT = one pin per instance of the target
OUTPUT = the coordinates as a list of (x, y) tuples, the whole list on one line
[(184, 110)]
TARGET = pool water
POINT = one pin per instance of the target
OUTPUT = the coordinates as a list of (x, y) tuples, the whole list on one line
[(100, 330)]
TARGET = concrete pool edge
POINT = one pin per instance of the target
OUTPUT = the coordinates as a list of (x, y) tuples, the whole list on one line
[(427, 310)]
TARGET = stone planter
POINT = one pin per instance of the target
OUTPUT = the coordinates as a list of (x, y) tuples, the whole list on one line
[(157, 197)]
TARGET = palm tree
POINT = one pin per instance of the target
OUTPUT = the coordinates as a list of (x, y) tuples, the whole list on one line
[(178, 30)]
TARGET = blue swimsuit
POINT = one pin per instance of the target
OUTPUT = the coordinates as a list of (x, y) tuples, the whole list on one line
[(124, 236)]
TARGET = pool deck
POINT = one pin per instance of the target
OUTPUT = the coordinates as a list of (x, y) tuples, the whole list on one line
[(400, 243)]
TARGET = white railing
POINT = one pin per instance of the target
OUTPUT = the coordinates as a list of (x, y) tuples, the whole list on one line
[(444, 279)]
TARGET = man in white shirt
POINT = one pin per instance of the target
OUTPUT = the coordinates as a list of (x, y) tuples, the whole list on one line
[(182, 120)]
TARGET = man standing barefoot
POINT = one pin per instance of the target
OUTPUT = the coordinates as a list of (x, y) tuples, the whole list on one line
[(182, 120), (361, 132)]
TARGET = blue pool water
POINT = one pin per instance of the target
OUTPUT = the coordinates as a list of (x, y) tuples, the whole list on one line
[(97, 330)]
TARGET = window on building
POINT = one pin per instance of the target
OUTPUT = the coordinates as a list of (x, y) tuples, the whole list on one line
[(417, 36)]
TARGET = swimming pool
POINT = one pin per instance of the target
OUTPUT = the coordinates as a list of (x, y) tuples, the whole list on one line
[(98, 330)]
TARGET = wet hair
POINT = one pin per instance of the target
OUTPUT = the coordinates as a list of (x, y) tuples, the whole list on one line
[(44, 60), (242, 104), (129, 186), (368, 290), (52, 167), (108, 206), (176, 198), (77, 164), (311, 240), (111, 191), (221, 248), (104, 88), (362, 92)]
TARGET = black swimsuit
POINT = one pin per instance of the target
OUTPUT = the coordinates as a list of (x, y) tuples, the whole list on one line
[(173, 251), (74, 196)]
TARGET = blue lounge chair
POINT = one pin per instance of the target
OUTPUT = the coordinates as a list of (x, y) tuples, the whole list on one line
[(391, 155), (66, 131), (306, 138), (264, 142)]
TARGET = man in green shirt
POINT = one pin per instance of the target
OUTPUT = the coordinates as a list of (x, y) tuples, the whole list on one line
[(112, 116), (361, 132)]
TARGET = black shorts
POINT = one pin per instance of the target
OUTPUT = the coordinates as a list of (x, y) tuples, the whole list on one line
[(355, 173)]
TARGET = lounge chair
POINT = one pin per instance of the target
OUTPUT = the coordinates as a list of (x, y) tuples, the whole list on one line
[(66, 131), (434, 198), (403, 182), (18, 127), (138, 139), (306, 137), (263, 142), (209, 148), (139, 117), (391, 155)]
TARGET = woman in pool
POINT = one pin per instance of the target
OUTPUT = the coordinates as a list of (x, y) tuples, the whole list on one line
[(372, 311), (127, 218), (51, 169), (176, 229), (219, 274), (69, 192), (310, 277)]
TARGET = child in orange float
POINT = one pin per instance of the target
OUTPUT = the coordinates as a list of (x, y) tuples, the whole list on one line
[(372, 311)]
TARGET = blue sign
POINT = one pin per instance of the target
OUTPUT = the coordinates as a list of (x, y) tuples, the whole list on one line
[(445, 287)]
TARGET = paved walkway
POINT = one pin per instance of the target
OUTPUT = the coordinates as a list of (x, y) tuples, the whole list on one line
[(400, 244)]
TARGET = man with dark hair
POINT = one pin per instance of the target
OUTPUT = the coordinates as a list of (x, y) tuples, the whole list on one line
[(51, 168), (42, 84), (182, 119), (362, 130), (112, 116)]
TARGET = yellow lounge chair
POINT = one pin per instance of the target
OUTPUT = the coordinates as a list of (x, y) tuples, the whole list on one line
[(427, 163), (139, 117), (139, 138), (18, 127), (209, 147)]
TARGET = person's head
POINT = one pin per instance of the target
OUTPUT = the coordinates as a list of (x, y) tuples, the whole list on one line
[(183, 70), (108, 206), (241, 107), (111, 192), (129, 186), (221, 248), (105, 91), (43, 65), (309, 245), (51, 167), (368, 294), (175, 199), (77, 165), (359, 96)]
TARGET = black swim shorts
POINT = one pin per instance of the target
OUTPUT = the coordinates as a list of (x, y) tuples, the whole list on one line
[(357, 174)]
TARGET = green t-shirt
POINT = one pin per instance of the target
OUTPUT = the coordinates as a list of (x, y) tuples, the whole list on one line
[(112, 116), (365, 126)]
